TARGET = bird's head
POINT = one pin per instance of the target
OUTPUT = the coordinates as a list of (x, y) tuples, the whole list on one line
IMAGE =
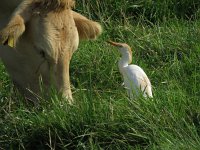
[(123, 48)]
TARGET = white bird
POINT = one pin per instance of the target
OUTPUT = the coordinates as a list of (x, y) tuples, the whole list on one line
[(135, 79)]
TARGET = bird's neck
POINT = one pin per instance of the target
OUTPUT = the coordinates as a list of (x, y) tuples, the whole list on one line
[(123, 62)]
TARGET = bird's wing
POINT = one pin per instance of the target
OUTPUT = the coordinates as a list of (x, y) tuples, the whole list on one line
[(131, 81), (138, 76), (139, 72)]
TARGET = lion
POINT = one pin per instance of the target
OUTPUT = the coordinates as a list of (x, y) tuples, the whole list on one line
[(45, 35)]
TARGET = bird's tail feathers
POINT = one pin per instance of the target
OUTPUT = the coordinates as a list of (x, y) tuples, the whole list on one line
[(148, 92)]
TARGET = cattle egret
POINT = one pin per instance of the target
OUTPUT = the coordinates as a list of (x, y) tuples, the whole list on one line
[(135, 79)]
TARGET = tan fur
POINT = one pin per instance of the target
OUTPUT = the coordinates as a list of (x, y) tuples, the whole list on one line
[(14, 30), (87, 29), (45, 40), (54, 5)]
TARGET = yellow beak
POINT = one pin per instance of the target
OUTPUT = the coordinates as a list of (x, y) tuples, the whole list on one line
[(114, 43)]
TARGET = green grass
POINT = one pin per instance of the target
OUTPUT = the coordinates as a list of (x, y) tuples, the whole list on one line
[(153, 10), (103, 117)]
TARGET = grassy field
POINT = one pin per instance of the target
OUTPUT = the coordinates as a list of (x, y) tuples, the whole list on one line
[(166, 43)]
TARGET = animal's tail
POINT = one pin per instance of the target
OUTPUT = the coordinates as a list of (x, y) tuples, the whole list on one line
[(87, 29)]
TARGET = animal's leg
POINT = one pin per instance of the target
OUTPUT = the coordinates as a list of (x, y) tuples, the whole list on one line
[(62, 78), (67, 93)]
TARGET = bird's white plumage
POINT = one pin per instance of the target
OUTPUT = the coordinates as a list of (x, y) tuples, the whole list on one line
[(135, 79)]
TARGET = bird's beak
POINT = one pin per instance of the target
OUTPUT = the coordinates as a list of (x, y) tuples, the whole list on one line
[(114, 43)]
